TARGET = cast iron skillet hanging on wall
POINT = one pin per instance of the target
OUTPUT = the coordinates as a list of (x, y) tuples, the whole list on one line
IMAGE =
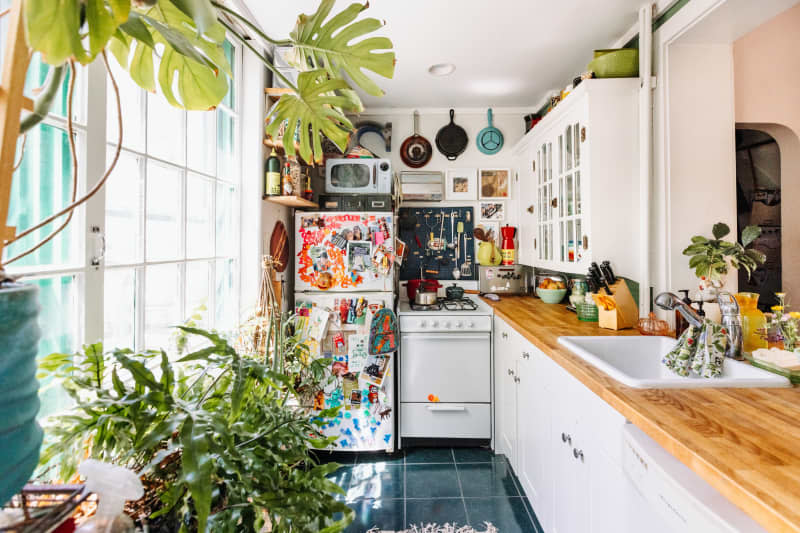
[(452, 140), (416, 150)]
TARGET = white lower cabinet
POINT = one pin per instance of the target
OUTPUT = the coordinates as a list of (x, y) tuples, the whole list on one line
[(563, 442)]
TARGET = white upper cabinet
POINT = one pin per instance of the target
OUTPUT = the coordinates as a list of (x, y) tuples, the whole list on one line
[(578, 178)]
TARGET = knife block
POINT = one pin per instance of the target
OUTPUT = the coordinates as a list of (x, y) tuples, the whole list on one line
[(626, 313)]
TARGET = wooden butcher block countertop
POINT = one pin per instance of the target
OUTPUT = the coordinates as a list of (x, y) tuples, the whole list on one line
[(744, 442)]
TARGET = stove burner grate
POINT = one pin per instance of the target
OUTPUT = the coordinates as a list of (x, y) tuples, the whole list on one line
[(460, 304), (419, 307)]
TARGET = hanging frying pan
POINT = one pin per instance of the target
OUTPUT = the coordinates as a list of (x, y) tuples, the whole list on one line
[(490, 139), (416, 150), (452, 140)]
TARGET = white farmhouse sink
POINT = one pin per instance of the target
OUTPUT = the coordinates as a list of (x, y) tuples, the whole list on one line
[(636, 362)]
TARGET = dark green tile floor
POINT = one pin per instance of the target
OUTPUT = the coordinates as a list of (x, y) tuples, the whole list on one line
[(433, 485)]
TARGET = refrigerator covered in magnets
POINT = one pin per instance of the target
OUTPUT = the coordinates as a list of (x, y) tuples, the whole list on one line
[(336, 329)]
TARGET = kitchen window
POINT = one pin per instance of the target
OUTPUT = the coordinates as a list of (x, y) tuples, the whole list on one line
[(168, 217)]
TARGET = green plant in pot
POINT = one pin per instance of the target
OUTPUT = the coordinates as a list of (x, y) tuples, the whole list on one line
[(175, 48), (213, 435), (710, 258)]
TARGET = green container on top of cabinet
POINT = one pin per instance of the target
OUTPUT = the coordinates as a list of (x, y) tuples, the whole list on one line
[(615, 63), (20, 434)]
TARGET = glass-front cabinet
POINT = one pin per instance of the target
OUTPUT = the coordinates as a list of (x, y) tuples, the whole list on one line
[(579, 184)]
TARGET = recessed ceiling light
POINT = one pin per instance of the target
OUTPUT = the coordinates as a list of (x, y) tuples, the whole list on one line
[(442, 69)]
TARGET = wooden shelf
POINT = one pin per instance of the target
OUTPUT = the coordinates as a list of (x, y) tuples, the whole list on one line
[(280, 149), (292, 201), (274, 93)]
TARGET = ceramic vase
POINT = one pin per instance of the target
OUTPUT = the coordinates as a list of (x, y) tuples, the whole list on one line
[(20, 434)]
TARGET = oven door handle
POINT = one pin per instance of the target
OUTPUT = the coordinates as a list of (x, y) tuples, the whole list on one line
[(446, 408), (421, 335)]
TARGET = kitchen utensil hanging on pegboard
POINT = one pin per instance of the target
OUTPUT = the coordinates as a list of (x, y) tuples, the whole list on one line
[(440, 242)]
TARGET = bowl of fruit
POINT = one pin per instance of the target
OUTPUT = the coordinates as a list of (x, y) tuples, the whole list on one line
[(551, 291)]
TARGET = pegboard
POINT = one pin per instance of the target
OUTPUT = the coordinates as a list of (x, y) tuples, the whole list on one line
[(427, 233)]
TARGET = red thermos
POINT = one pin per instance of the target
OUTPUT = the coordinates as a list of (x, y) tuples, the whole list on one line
[(507, 248)]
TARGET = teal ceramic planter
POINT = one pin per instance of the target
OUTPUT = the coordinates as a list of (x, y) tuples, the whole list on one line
[(20, 434)]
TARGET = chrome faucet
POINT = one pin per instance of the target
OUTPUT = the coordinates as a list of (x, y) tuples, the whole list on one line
[(670, 302), (730, 318)]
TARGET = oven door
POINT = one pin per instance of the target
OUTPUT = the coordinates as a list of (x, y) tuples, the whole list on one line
[(351, 177), (456, 367)]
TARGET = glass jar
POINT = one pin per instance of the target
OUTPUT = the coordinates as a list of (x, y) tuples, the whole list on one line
[(754, 322)]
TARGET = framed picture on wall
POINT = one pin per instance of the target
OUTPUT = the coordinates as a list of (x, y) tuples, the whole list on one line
[(494, 183), (461, 184), (494, 211)]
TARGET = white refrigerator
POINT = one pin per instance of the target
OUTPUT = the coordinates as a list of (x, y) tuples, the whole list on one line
[(344, 266)]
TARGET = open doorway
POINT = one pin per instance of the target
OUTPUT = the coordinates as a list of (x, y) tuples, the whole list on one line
[(758, 202)]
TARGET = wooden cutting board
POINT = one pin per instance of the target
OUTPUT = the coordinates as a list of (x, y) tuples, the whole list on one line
[(279, 246)]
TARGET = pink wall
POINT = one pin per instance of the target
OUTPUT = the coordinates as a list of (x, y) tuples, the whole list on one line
[(767, 72), (766, 65)]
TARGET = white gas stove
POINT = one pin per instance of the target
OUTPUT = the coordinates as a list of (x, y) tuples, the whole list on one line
[(446, 370)]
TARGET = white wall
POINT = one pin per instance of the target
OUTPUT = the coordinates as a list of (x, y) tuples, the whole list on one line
[(702, 151), (508, 120), (257, 217)]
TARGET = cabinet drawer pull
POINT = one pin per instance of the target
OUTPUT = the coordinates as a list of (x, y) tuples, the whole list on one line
[(526, 355), (447, 408), (566, 438), (577, 454)]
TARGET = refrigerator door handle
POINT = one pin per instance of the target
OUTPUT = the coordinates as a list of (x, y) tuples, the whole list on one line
[(446, 408)]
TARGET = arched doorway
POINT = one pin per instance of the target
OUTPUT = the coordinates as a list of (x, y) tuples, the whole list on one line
[(758, 202)]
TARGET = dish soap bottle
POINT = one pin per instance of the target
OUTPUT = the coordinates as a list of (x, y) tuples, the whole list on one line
[(754, 322), (272, 175), (113, 486)]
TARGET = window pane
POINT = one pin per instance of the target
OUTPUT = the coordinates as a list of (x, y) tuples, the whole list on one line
[(124, 196), (230, 53), (198, 289), (40, 187), (226, 297), (227, 244), (199, 217), (166, 133), (59, 321), (119, 324), (132, 99), (163, 212), (202, 132), (162, 309), (226, 147), (36, 77)]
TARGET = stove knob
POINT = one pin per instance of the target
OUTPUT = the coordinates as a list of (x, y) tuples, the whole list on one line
[(459, 324), (435, 324), (423, 324), (471, 324), (447, 325)]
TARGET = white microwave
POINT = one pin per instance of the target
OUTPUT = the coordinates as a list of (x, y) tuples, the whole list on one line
[(358, 176)]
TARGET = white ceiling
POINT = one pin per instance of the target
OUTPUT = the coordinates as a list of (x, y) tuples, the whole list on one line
[(506, 52)]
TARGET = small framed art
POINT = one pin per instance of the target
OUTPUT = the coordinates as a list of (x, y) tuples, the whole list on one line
[(494, 183), (461, 184)]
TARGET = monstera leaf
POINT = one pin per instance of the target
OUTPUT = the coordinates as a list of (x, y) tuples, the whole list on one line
[(329, 45), (190, 62), (316, 110)]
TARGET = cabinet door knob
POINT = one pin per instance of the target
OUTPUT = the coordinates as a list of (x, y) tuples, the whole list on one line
[(583, 134), (554, 203), (531, 208), (516, 379), (526, 355), (533, 166), (510, 372), (566, 438), (577, 454), (504, 335)]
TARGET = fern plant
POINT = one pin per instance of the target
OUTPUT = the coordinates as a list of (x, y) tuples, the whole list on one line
[(213, 435)]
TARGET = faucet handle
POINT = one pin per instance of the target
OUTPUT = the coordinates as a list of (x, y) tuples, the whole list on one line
[(728, 305)]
